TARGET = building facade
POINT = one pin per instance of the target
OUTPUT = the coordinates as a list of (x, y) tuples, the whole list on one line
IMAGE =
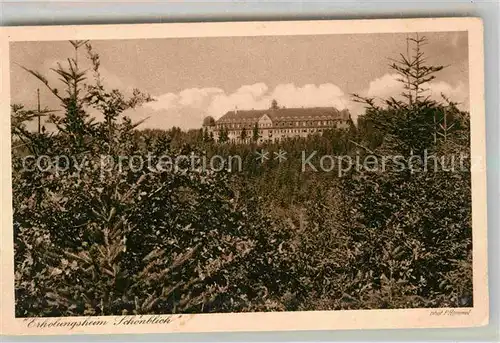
[(275, 124)]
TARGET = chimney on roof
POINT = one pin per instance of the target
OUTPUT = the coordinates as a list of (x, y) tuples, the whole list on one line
[(235, 109)]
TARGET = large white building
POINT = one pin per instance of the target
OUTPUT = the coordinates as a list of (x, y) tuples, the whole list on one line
[(275, 123)]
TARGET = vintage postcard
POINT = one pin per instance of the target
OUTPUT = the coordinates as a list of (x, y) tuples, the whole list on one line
[(250, 176)]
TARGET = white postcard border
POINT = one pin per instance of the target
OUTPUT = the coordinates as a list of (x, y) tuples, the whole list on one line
[(269, 321)]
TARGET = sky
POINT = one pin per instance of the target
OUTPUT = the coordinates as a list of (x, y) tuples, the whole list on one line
[(191, 78)]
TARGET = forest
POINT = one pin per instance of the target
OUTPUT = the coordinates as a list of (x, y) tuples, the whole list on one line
[(268, 237)]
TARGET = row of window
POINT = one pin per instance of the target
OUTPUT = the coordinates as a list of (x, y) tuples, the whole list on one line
[(270, 132), (260, 140), (283, 131), (280, 124)]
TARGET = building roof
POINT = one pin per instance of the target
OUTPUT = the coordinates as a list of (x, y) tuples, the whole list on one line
[(284, 114)]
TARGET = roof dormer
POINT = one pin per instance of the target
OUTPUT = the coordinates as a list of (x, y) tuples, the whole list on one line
[(265, 120)]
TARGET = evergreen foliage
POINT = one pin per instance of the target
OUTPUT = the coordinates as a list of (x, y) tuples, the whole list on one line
[(268, 237)]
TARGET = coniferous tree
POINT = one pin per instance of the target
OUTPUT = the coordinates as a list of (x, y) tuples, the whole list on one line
[(243, 135), (255, 133), (223, 135), (428, 199), (206, 136), (410, 122)]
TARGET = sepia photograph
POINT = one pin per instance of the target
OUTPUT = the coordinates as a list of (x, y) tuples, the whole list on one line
[(250, 173)]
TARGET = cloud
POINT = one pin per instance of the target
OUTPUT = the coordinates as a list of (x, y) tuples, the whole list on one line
[(188, 107), (310, 95), (458, 93), (257, 89), (196, 97), (192, 97), (163, 101), (258, 96), (389, 85)]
